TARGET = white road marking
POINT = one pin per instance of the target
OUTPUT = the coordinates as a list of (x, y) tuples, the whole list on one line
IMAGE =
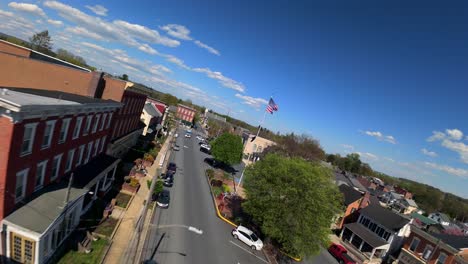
[(248, 251), (185, 146)]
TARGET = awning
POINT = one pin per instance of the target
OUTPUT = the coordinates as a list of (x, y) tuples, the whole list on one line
[(365, 234)]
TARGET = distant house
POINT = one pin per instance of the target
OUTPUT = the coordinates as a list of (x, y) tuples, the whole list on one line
[(150, 117), (421, 221), (353, 200), (406, 206), (440, 218), (405, 193), (377, 233), (253, 147), (421, 247)]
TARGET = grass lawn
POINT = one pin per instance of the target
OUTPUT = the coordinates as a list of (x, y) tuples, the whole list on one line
[(107, 227), (122, 199), (94, 257)]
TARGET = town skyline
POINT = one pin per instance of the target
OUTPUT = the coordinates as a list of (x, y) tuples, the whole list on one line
[(400, 111)]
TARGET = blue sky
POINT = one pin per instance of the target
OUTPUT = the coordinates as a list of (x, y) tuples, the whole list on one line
[(385, 79)]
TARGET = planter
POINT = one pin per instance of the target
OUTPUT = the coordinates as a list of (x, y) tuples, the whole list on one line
[(148, 163), (129, 188)]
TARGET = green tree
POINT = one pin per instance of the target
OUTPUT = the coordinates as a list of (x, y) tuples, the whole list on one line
[(227, 148), (42, 42), (293, 201), (124, 77)]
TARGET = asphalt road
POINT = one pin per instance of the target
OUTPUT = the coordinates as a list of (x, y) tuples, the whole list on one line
[(191, 205)]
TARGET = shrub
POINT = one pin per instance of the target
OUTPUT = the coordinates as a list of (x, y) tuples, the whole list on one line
[(217, 191), (210, 174), (148, 157), (225, 188), (158, 188)]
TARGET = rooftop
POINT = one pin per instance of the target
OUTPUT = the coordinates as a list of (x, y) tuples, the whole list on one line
[(187, 107), (458, 242), (423, 219), (350, 194), (365, 234), (385, 217), (152, 110)]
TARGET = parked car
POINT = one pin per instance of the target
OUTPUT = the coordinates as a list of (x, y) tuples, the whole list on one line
[(248, 237), (176, 135), (200, 138), (340, 253), (169, 181), (188, 135), (163, 199), (172, 167), (205, 146), (166, 175), (210, 161), (176, 148)]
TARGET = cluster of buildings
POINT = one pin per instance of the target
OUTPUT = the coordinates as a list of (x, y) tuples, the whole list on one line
[(382, 223), (60, 124)]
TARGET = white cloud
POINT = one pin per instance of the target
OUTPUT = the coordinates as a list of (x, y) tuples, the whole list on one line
[(428, 153), (223, 80), (177, 61), (367, 156), (146, 34), (147, 49), (347, 146), (81, 31), (450, 170), (57, 23), (454, 134), (436, 135), (381, 137), (16, 25), (177, 31), (252, 101), (98, 10), (29, 8), (459, 147), (208, 48)]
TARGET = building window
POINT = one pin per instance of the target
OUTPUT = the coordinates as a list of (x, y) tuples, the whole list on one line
[(56, 167), (80, 155), (40, 173), (20, 189), (22, 248), (96, 123), (64, 130), (70, 156), (441, 259), (28, 138), (414, 244), (109, 120), (103, 142), (48, 133), (76, 132), (88, 151), (96, 146), (386, 236), (87, 125), (427, 252), (103, 122)]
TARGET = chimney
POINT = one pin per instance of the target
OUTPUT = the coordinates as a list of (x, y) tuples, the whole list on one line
[(365, 200)]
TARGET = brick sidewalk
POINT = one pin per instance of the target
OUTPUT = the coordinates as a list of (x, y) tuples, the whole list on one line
[(126, 229)]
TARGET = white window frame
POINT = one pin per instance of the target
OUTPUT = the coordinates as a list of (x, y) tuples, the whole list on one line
[(33, 126), (88, 152), (65, 126), (81, 150), (51, 134), (44, 169), (425, 248), (109, 120), (24, 174), (78, 125), (103, 141), (417, 244), (59, 158), (438, 258), (87, 125), (70, 157), (103, 121), (96, 146), (96, 123)]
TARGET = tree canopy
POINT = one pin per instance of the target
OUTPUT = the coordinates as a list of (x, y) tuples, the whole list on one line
[(303, 146), (293, 201), (227, 148), (42, 42)]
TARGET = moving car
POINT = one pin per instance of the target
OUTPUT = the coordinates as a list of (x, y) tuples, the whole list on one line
[(340, 253), (248, 237), (163, 199), (176, 135)]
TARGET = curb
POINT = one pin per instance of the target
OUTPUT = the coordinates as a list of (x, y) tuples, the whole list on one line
[(215, 205)]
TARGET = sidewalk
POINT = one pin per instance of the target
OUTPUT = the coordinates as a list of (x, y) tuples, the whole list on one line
[(126, 230)]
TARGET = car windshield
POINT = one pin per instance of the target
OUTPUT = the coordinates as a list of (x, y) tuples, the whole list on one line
[(254, 237)]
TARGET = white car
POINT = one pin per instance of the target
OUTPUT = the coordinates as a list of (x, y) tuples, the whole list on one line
[(205, 146), (188, 135), (199, 138), (248, 237), (176, 135)]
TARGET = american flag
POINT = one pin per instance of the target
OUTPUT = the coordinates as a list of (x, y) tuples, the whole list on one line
[(272, 106)]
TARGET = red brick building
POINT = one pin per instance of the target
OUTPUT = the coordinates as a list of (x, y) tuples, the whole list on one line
[(45, 136), (424, 248), (185, 113)]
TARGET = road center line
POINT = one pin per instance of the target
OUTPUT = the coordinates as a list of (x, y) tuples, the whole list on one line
[(248, 251)]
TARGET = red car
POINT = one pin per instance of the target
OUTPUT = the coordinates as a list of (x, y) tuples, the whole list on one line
[(340, 253)]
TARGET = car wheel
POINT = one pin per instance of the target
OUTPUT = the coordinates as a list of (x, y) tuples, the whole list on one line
[(253, 247), (235, 236)]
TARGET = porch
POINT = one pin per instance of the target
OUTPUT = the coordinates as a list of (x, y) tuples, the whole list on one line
[(365, 241)]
